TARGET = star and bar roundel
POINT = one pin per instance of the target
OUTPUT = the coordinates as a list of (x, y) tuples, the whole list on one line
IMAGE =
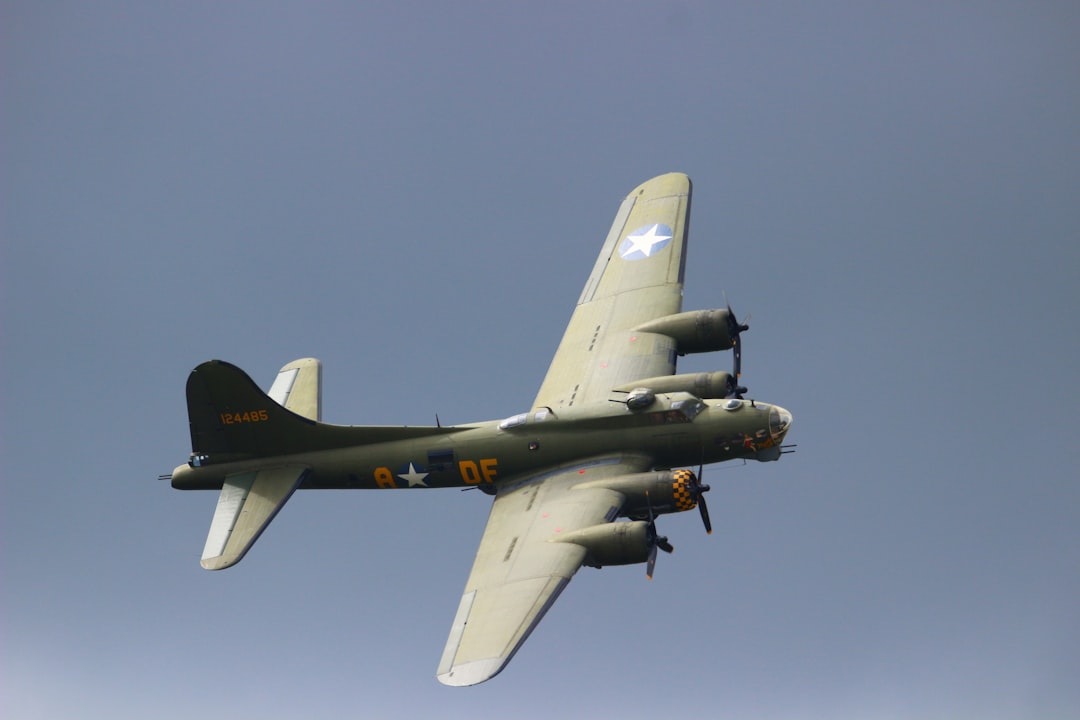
[(645, 242), (413, 474)]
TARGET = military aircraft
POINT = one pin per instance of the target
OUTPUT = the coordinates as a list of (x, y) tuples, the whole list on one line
[(577, 480)]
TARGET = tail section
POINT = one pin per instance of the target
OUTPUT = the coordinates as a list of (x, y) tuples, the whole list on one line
[(232, 419)]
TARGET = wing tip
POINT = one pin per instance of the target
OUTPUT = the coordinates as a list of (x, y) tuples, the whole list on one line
[(218, 563), (668, 184), (472, 673)]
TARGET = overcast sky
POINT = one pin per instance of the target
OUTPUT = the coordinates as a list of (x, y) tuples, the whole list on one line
[(415, 194)]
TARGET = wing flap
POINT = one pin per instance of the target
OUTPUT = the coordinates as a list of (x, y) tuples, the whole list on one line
[(247, 504)]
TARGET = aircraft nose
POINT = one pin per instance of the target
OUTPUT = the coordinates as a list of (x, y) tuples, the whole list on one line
[(779, 422)]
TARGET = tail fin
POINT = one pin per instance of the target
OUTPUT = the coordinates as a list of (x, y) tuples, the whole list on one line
[(232, 419)]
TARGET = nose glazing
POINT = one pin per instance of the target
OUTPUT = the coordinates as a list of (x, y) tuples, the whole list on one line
[(779, 422)]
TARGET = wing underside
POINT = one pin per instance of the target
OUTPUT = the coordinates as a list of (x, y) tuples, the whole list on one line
[(521, 568)]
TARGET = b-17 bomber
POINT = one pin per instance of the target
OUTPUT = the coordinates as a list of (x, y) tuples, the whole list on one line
[(610, 443)]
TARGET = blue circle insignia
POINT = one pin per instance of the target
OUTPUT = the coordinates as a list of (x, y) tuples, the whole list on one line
[(645, 242)]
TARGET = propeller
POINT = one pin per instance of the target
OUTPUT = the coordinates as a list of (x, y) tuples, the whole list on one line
[(698, 489), (735, 329), (654, 540)]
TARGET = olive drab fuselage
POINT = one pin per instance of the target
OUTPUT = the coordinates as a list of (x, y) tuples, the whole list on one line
[(674, 430)]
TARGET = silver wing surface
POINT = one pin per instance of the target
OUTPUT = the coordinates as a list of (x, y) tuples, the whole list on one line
[(521, 566), (638, 277)]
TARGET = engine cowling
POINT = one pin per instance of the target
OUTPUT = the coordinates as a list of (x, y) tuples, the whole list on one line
[(664, 491), (705, 385), (696, 331), (617, 543)]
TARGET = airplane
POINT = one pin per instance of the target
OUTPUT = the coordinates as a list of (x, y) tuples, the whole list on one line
[(578, 480)]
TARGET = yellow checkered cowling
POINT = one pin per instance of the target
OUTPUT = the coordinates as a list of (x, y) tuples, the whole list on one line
[(681, 483)]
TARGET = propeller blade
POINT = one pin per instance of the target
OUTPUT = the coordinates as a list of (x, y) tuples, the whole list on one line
[(737, 370), (704, 514), (735, 329), (655, 541), (700, 489)]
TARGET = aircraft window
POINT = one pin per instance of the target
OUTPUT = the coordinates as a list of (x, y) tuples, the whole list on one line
[(733, 404), (514, 421), (689, 408), (668, 416), (440, 460)]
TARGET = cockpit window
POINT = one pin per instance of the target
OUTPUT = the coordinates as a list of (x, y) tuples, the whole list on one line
[(690, 408), (681, 411)]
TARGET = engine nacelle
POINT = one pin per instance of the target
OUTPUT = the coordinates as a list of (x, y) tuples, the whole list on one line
[(665, 491), (617, 543), (696, 331), (705, 385)]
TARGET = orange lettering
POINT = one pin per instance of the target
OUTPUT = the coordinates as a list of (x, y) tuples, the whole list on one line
[(470, 473), (384, 478), (247, 416)]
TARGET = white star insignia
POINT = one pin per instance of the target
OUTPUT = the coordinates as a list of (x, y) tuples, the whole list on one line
[(414, 478), (645, 243)]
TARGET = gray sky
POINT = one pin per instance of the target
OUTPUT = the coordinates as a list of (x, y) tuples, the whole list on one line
[(415, 194)]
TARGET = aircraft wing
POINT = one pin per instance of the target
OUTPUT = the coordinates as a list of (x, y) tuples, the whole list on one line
[(638, 277), (521, 567)]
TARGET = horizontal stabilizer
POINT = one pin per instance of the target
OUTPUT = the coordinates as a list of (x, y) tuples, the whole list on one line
[(247, 504), (298, 387)]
